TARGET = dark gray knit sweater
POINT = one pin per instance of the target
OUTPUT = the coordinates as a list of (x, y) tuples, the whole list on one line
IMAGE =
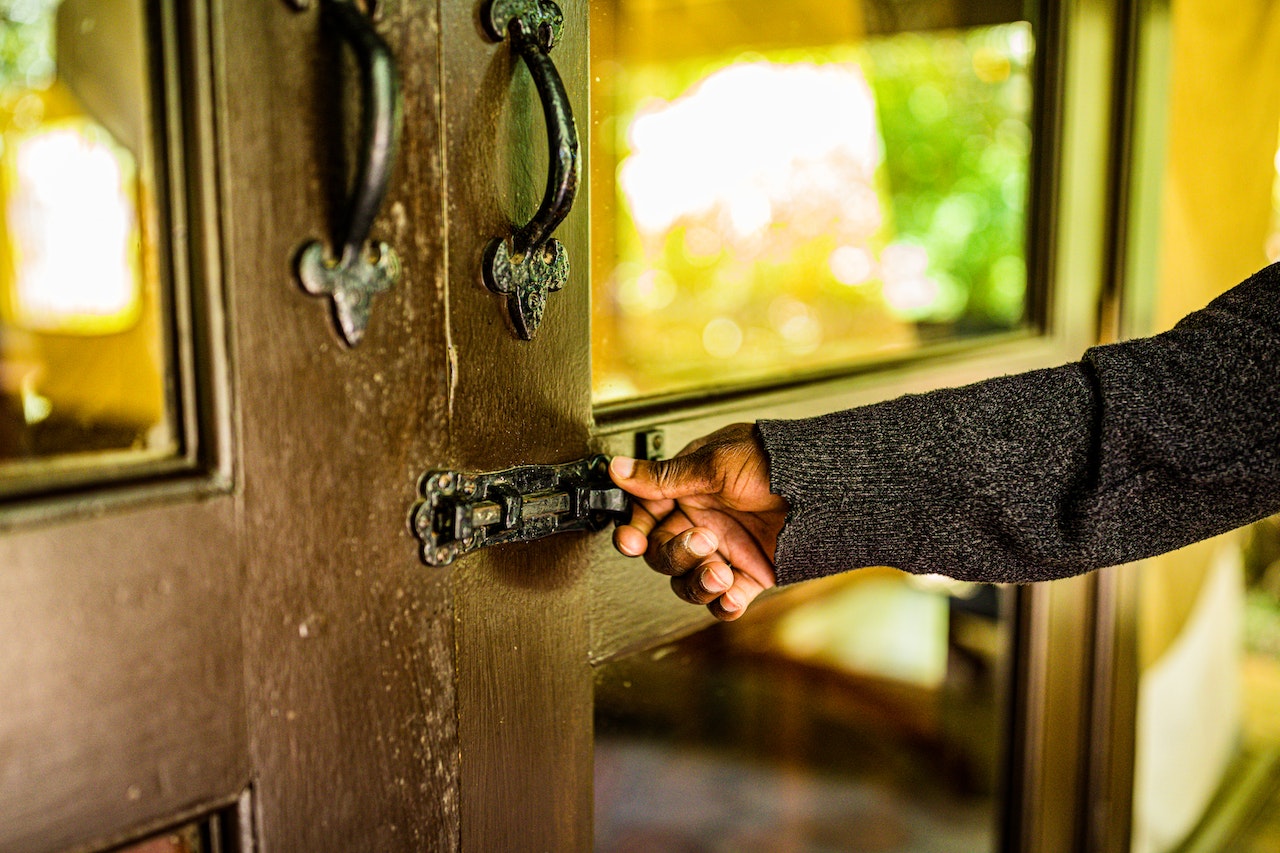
[(1142, 447)]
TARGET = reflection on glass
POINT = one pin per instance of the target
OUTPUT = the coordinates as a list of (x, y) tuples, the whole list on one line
[(827, 198), (82, 347), (856, 713)]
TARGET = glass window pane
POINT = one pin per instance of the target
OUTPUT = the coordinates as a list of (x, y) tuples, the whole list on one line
[(784, 188), (856, 713), (85, 377)]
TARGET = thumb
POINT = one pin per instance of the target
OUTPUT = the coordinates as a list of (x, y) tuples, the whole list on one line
[(692, 474)]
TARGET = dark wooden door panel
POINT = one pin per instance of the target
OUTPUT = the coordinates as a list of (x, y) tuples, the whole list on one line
[(348, 639), (120, 664), (122, 706)]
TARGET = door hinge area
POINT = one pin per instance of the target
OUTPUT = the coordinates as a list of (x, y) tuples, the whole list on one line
[(459, 512)]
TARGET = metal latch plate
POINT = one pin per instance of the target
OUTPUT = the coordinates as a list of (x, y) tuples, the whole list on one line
[(461, 512)]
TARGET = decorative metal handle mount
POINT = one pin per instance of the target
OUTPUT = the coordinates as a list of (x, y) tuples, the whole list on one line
[(358, 272), (530, 263)]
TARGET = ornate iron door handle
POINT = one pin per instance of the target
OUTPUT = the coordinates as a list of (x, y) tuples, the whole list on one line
[(530, 263), (359, 272), (459, 513)]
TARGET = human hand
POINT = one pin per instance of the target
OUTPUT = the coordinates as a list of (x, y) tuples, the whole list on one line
[(705, 517)]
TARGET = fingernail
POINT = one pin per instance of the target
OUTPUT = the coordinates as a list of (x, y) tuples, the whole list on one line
[(712, 581), (729, 602), (623, 466), (629, 548), (701, 545)]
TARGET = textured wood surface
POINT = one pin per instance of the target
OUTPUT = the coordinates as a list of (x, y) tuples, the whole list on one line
[(524, 686), (348, 639), (288, 635), (120, 662)]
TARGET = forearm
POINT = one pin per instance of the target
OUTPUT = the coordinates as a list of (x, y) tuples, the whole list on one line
[(1138, 449)]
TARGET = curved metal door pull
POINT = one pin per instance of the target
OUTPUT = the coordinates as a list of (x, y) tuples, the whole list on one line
[(530, 263), (359, 272)]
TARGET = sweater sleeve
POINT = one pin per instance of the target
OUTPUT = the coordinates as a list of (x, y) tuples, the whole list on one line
[(1140, 448)]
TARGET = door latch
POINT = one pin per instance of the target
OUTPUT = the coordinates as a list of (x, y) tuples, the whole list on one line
[(459, 513)]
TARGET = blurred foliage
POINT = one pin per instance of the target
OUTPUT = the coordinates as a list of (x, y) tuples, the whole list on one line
[(26, 43), (941, 254), (953, 110), (1262, 577)]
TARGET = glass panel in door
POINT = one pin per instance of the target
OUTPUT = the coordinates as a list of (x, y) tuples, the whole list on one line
[(857, 713), (786, 189), (86, 377)]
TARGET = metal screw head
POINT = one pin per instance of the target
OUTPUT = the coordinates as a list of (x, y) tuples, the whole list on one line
[(445, 482), (649, 444)]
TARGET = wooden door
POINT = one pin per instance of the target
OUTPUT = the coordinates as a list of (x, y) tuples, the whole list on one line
[(123, 709), (521, 612), (229, 643), (348, 641)]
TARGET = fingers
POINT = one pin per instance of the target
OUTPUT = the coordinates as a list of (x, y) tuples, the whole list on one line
[(630, 541), (734, 601), (667, 479), (696, 515), (699, 572), (703, 584), (632, 538), (726, 591), (673, 551)]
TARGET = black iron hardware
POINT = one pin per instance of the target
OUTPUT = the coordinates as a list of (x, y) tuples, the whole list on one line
[(529, 264), (361, 270), (460, 513), (651, 444)]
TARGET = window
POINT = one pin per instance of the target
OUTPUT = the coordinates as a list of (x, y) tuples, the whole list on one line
[(87, 376), (787, 190), (854, 713)]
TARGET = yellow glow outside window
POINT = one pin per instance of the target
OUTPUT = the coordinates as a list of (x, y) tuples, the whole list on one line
[(74, 244)]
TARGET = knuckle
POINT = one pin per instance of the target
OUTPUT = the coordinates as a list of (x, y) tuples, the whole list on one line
[(662, 559), (681, 588), (719, 457), (665, 474), (681, 470)]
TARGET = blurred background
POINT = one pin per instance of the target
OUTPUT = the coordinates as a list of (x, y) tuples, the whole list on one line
[(783, 191)]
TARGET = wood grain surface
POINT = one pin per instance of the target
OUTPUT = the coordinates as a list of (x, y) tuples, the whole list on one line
[(348, 639)]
